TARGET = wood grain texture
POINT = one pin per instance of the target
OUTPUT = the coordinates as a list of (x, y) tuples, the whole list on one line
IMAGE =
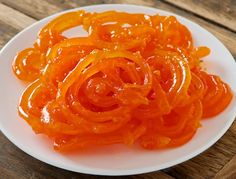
[(36, 9), (40, 9), (218, 161), (228, 171), (14, 18), (218, 11), (6, 33)]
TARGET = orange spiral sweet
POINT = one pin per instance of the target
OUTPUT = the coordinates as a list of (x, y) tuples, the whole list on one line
[(135, 78)]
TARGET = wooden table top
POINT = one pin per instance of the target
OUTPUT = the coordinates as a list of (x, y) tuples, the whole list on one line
[(217, 16)]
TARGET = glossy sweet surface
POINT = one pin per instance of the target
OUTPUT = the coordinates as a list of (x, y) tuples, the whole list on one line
[(135, 78)]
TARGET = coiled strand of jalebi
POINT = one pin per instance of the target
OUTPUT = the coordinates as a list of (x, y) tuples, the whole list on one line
[(134, 79)]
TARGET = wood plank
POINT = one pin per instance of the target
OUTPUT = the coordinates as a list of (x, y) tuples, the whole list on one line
[(14, 18), (67, 4), (36, 9), (228, 171), (221, 12), (45, 8), (40, 9), (6, 33), (153, 175)]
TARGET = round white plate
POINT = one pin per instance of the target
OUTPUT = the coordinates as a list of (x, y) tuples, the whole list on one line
[(116, 159)]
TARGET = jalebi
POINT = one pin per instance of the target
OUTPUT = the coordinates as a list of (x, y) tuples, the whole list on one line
[(135, 78)]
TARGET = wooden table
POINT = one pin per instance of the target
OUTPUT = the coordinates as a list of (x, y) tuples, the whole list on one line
[(217, 16)]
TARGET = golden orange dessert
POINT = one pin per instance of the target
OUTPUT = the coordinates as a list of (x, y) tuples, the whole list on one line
[(134, 78)]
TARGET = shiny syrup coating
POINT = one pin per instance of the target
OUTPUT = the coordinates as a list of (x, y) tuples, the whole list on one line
[(135, 78)]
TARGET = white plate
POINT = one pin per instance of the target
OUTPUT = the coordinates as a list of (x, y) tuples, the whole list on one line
[(116, 159)]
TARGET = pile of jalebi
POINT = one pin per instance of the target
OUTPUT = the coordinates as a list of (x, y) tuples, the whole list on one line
[(135, 78)]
